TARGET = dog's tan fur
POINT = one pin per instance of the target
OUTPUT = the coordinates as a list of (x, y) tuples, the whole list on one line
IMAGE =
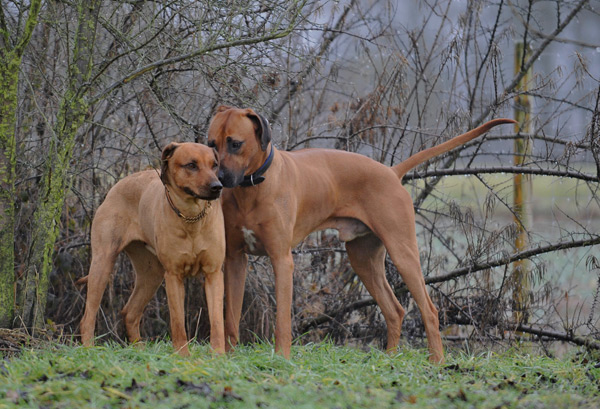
[(136, 217), (314, 189)]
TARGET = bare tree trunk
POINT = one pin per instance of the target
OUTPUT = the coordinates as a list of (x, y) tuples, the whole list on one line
[(8, 102), (10, 61), (55, 181)]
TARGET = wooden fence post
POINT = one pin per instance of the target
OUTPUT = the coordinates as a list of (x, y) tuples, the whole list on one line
[(522, 186)]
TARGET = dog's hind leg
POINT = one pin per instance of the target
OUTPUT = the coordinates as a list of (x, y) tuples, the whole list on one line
[(394, 224), (406, 260), (103, 261), (149, 275), (367, 257)]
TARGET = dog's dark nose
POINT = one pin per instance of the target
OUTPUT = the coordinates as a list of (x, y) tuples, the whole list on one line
[(216, 186)]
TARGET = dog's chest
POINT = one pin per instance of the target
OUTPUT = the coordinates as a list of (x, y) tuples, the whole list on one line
[(191, 263), (252, 243), (185, 257)]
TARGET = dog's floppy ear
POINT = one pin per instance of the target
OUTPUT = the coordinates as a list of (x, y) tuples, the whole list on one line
[(166, 155), (262, 128)]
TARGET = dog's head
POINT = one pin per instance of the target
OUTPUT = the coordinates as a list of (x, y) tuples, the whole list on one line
[(241, 137), (192, 169)]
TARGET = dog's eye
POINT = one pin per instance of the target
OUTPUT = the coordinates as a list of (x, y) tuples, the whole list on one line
[(191, 166), (215, 165), (233, 145)]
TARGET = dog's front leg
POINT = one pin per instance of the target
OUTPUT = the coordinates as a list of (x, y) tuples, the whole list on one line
[(235, 282), (283, 267), (176, 297), (214, 289)]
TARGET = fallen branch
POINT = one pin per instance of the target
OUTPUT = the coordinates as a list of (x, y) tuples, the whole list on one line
[(561, 336), (473, 268), (511, 259)]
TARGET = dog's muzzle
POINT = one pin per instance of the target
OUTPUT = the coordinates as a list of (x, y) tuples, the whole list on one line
[(216, 188), (211, 192), (228, 178)]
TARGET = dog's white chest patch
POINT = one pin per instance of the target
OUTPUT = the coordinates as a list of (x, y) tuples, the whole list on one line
[(249, 238)]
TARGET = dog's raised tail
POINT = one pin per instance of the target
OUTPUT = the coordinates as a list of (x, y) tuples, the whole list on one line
[(403, 167)]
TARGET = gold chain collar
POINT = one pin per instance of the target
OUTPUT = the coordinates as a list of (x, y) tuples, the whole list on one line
[(185, 218)]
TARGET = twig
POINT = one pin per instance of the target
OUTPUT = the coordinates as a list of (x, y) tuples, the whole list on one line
[(328, 39), (505, 94), (278, 34)]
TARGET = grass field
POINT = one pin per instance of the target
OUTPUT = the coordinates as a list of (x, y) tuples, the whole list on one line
[(550, 195), (317, 376)]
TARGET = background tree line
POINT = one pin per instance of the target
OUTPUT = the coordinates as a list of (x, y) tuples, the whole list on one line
[(92, 90)]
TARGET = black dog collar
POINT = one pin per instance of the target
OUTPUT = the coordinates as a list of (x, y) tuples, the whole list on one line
[(257, 177)]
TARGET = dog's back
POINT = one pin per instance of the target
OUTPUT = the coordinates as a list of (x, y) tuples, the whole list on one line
[(130, 189), (121, 207)]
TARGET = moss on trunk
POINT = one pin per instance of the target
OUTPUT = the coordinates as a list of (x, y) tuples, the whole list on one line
[(10, 62), (55, 182)]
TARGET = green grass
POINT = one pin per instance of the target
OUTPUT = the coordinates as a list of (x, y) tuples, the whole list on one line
[(548, 193), (317, 376)]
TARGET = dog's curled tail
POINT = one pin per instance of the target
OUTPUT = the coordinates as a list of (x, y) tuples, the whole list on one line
[(402, 168)]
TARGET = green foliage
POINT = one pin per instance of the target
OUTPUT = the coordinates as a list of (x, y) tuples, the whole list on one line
[(317, 376)]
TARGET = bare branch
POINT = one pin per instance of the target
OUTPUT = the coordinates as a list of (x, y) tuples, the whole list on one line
[(275, 35), (561, 336), (502, 169), (328, 39), (320, 319)]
